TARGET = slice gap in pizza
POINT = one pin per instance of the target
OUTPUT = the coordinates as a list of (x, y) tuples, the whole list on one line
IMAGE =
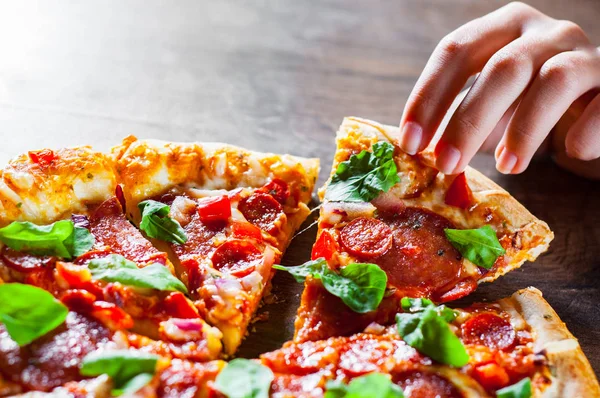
[(515, 347), (392, 226), (64, 231), (225, 215)]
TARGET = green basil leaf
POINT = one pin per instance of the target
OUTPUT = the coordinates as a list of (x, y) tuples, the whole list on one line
[(29, 312), (243, 378), (125, 367), (156, 222), (429, 333), (480, 246), (116, 268), (522, 389), (300, 272), (61, 239), (361, 286), (421, 304), (375, 385), (364, 176)]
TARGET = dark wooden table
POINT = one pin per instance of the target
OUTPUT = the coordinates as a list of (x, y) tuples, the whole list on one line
[(279, 76)]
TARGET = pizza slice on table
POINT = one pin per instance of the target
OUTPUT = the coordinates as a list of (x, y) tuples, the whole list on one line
[(392, 227), (514, 348), (63, 230), (224, 213)]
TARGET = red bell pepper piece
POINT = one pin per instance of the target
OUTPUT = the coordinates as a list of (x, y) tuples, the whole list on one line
[(459, 194)]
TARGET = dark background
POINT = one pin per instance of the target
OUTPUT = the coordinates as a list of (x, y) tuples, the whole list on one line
[(274, 76)]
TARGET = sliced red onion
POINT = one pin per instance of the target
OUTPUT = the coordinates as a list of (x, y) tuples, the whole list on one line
[(81, 220)]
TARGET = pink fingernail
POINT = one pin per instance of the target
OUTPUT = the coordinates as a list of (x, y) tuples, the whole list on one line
[(506, 161), (411, 137), (447, 158)]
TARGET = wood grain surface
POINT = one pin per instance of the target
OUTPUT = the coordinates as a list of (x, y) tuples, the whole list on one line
[(275, 76)]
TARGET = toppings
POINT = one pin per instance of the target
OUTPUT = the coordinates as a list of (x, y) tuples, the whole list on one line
[(23, 262), (425, 328), (242, 378), (242, 230), (129, 370), (426, 384), (28, 312), (178, 306), (156, 222), (371, 385), (262, 210), (491, 376), (61, 239), (324, 247), (459, 194), (522, 389), (213, 209), (364, 176), (44, 157), (278, 189), (366, 237), (182, 210), (480, 246), (236, 257), (361, 286), (490, 330), (115, 268)]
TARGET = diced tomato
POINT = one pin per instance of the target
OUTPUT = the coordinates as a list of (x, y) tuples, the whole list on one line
[(44, 157), (217, 208), (75, 275), (178, 306), (78, 300), (278, 189), (491, 376), (241, 230), (459, 194), (111, 315), (324, 247)]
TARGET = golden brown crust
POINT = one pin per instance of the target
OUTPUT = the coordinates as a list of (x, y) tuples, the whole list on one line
[(571, 373)]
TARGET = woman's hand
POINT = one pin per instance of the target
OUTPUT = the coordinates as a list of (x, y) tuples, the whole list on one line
[(532, 68)]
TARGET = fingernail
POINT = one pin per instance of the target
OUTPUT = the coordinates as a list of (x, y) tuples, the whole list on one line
[(447, 158), (506, 161), (411, 137)]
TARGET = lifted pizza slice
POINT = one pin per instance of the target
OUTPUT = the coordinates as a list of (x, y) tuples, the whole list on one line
[(224, 213), (432, 235)]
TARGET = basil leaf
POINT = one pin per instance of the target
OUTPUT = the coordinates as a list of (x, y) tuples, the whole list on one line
[(522, 389), (361, 286), (61, 239), (128, 369), (421, 304), (372, 385), (156, 222), (29, 312), (243, 378), (364, 176), (429, 333), (480, 246), (116, 268)]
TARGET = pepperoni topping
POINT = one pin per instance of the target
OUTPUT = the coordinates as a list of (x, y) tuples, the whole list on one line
[(366, 237), (23, 262), (421, 261), (92, 255), (262, 210), (426, 385), (324, 247), (278, 189), (490, 330), (236, 257), (459, 194), (199, 239)]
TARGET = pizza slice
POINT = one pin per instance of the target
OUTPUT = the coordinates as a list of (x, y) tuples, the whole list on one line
[(225, 214), (516, 347), (392, 226), (63, 229)]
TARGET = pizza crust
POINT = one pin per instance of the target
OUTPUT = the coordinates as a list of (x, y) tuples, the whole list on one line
[(571, 373)]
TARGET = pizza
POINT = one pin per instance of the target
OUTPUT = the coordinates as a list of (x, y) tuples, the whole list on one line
[(408, 230)]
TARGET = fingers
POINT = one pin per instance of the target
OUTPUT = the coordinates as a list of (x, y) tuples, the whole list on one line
[(504, 78), (583, 139), (560, 81), (459, 55)]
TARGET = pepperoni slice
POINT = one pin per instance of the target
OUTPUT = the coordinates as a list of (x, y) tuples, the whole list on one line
[(421, 259), (490, 330), (262, 210), (426, 385), (366, 237), (277, 188), (236, 257), (23, 262)]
